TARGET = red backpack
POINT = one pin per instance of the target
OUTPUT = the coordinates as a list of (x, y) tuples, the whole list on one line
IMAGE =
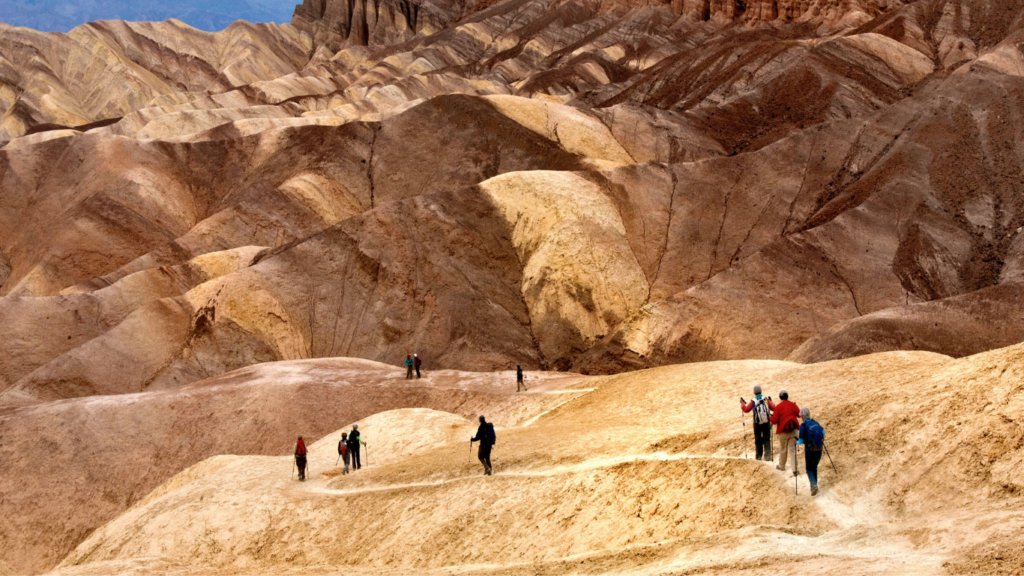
[(342, 448), (300, 448)]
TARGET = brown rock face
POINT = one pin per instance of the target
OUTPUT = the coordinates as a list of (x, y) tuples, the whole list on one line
[(336, 24), (578, 185)]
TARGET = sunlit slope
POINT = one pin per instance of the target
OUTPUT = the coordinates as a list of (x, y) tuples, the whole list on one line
[(644, 473)]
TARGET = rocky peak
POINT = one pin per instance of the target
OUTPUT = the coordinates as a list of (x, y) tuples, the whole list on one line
[(339, 23)]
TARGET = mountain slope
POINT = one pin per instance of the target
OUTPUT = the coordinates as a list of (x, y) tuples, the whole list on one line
[(573, 185)]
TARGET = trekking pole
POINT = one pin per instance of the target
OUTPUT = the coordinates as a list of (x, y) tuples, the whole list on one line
[(470, 461), (293, 468), (743, 415), (338, 460), (796, 468), (829, 458)]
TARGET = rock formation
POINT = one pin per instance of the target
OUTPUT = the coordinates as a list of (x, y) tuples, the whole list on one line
[(582, 186), (577, 185)]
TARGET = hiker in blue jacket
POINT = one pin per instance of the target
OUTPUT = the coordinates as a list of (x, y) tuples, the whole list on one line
[(812, 436)]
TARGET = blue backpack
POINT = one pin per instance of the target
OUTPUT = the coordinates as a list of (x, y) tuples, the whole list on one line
[(815, 435)]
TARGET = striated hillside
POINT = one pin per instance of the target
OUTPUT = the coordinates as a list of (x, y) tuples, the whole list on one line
[(210, 242), (571, 185)]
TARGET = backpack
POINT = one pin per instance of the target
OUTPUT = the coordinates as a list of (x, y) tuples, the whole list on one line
[(342, 447), (761, 411), (300, 449), (815, 435), (491, 436)]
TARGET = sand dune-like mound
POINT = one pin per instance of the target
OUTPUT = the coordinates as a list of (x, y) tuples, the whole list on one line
[(644, 473), (105, 453)]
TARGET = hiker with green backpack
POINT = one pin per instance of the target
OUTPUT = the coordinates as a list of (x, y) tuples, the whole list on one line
[(812, 436), (762, 408)]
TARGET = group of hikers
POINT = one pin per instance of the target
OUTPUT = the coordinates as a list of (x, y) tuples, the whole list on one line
[(349, 445), (793, 425), (786, 417), (348, 450), (412, 362)]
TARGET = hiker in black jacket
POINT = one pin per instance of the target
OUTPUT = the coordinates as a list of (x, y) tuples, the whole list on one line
[(486, 437), (353, 447)]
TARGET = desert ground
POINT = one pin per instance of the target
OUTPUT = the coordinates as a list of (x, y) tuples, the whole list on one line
[(645, 472)]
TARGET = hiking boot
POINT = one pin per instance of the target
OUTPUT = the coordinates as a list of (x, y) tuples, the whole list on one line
[(777, 467), (814, 490)]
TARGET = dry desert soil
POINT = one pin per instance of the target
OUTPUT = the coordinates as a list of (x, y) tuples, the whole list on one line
[(648, 472)]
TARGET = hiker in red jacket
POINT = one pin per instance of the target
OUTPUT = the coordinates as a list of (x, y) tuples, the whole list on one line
[(343, 451), (785, 418), (300, 458)]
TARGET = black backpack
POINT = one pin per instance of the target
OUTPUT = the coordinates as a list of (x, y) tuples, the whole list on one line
[(491, 436)]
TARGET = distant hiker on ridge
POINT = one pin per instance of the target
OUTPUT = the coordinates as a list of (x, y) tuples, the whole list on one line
[(519, 378), (762, 408), (416, 362), (408, 367), (300, 458), (343, 451), (353, 447), (785, 417), (485, 435), (812, 436)]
